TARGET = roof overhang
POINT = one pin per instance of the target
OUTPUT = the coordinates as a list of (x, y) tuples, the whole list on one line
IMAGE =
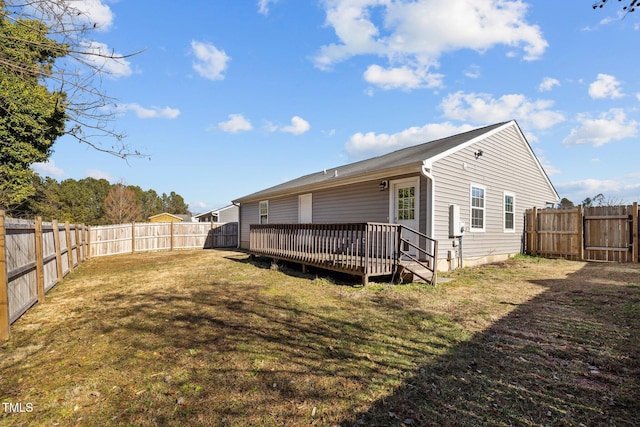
[(333, 182)]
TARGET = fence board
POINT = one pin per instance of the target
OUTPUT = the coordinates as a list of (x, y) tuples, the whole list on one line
[(31, 263), (608, 233), (603, 233), (21, 266), (50, 256), (159, 236)]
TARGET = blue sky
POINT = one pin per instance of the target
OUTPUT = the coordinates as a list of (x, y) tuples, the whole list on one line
[(232, 96)]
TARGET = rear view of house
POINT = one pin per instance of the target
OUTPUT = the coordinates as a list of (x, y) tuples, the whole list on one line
[(468, 192)]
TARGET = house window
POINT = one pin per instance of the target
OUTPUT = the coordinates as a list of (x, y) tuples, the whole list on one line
[(509, 212), (264, 212), (406, 198), (477, 208)]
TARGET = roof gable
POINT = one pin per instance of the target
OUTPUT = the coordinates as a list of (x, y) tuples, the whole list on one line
[(403, 158), (214, 211)]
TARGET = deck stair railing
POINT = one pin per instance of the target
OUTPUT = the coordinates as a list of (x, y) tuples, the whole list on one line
[(418, 254)]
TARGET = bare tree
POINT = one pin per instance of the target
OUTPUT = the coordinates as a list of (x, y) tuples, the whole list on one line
[(630, 5), (79, 72), (120, 205)]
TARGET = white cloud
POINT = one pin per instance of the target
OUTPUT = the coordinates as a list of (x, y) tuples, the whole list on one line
[(74, 13), (619, 189), (211, 63), (236, 123), (404, 77), (95, 12), (416, 34), (473, 72), (547, 84), (484, 109), (263, 6), (609, 126), (150, 113), (370, 143), (197, 205), (48, 168), (106, 59), (98, 174), (298, 126), (605, 86)]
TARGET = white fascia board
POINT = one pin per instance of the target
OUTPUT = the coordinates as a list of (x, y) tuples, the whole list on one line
[(338, 182)]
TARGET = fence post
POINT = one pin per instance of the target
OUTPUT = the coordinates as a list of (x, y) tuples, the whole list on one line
[(635, 248), (67, 232), (534, 232), (56, 243), (39, 260), (78, 248), (171, 239), (133, 237), (581, 231), (5, 328), (88, 241)]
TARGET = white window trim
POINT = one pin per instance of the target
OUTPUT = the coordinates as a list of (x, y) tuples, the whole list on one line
[(392, 208), (471, 208), (266, 202), (504, 212)]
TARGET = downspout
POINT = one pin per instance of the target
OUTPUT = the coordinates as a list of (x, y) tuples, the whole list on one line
[(426, 170), (239, 224)]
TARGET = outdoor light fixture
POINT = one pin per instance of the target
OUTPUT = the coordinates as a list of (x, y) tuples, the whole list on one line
[(384, 185), (478, 153)]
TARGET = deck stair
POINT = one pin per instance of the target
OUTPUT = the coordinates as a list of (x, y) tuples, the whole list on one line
[(412, 271), (417, 257)]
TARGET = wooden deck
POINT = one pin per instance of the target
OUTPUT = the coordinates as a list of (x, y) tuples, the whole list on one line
[(362, 249)]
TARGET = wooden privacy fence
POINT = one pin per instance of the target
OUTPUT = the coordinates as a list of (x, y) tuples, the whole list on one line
[(601, 233), (34, 256), (108, 240)]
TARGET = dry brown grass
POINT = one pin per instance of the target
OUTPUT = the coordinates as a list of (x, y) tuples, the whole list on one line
[(209, 338)]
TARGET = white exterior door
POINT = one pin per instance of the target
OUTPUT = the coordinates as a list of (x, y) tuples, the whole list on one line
[(305, 210), (404, 205)]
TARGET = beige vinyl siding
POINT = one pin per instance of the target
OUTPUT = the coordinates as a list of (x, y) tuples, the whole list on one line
[(360, 202), (229, 214), (505, 165), (283, 210)]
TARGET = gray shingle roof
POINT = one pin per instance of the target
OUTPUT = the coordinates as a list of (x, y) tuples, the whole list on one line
[(403, 157)]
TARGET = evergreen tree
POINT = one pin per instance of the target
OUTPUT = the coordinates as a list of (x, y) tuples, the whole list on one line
[(31, 116)]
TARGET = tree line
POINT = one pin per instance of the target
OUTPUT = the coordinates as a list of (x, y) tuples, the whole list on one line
[(95, 202), (597, 200)]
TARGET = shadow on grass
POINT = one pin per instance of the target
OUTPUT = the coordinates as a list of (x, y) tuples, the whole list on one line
[(570, 356), (255, 356), (294, 269), (235, 346)]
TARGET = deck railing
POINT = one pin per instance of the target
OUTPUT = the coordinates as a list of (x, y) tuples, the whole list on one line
[(365, 249), (420, 259)]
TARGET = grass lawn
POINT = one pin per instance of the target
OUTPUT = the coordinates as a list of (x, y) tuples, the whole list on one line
[(210, 338)]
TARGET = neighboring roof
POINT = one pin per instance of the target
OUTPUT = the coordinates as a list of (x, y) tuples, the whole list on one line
[(215, 211), (164, 214), (414, 155), (181, 217)]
